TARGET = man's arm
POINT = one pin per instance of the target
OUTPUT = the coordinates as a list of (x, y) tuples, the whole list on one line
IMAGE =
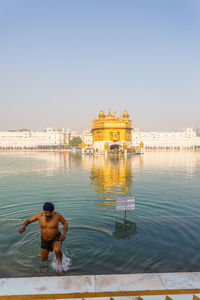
[(65, 227), (27, 222)]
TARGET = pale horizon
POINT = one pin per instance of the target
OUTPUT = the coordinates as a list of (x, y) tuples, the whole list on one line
[(62, 62), (80, 131)]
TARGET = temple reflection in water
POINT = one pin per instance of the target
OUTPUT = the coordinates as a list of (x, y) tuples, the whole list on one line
[(110, 176)]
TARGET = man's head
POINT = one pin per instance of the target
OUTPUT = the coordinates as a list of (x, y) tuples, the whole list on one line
[(48, 208)]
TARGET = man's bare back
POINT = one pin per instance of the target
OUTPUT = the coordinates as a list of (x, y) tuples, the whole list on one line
[(49, 226)]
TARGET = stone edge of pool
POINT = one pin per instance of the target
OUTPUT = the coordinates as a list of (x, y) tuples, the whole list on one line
[(99, 283)]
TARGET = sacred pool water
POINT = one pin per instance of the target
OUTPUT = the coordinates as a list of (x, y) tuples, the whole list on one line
[(160, 235)]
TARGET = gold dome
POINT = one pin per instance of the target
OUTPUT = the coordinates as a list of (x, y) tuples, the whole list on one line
[(109, 115), (101, 114), (125, 114)]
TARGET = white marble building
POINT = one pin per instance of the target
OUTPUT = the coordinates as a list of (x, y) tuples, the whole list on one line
[(185, 139), (49, 138), (87, 138)]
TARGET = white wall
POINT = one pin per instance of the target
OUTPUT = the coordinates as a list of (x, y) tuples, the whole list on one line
[(28, 139), (183, 139)]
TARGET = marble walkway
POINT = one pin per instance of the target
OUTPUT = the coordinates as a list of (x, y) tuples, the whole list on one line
[(156, 286)]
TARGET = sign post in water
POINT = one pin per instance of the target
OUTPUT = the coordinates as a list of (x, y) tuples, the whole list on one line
[(125, 203)]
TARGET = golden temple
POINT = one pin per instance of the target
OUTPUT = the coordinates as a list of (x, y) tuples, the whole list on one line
[(111, 133)]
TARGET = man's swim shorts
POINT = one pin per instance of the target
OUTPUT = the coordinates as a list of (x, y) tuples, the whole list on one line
[(48, 245)]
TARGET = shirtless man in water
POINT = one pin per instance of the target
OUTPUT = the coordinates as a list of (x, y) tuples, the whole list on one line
[(51, 238)]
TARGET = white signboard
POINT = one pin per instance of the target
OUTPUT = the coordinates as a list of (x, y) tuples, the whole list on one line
[(125, 203)]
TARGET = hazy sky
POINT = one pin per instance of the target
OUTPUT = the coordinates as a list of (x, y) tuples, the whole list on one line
[(62, 61)]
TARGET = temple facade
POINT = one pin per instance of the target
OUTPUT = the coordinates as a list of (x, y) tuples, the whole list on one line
[(111, 133)]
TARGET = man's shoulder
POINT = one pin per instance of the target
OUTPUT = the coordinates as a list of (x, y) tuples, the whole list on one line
[(57, 214), (40, 214)]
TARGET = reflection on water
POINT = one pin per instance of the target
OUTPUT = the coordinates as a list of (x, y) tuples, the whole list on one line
[(187, 161), (83, 189), (110, 176), (106, 167), (124, 230), (47, 163)]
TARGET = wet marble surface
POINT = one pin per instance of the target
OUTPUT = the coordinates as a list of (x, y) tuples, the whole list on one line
[(184, 280), (102, 283), (47, 285), (129, 282)]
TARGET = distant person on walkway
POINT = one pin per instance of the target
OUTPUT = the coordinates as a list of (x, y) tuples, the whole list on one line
[(51, 238)]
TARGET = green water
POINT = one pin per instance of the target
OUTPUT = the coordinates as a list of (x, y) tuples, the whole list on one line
[(160, 235)]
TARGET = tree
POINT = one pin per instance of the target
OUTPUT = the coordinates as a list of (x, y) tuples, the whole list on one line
[(24, 129), (76, 141)]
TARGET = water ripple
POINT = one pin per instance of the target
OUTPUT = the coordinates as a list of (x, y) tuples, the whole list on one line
[(160, 235)]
